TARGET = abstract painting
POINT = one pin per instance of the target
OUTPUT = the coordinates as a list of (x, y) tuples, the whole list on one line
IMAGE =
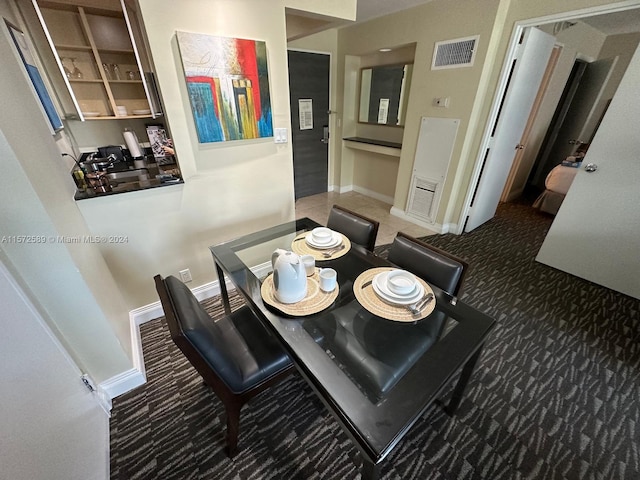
[(228, 86)]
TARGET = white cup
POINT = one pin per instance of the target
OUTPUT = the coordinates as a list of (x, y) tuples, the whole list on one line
[(328, 279), (309, 263)]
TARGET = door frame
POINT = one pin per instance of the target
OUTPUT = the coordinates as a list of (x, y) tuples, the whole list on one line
[(332, 128), (501, 89)]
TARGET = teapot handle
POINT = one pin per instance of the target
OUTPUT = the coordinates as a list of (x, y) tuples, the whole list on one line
[(275, 255)]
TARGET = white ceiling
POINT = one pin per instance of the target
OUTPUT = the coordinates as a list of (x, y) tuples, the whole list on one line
[(616, 23), (609, 24), (368, 9)]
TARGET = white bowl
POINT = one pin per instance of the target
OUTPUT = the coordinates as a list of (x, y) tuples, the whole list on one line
[(321, 235), (401, 282)]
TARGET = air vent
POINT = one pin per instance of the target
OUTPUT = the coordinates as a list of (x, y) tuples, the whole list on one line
[(454, 53), (423, 198)]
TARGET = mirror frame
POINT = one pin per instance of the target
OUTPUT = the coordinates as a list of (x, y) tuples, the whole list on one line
[(364, 103)]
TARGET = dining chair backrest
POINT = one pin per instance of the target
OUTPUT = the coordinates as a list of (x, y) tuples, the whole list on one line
[(235, 354), (444, 270), (359, 229)]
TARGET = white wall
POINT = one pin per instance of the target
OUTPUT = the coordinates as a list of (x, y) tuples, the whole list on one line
[(423, 26), (51, 426), (69, 283), (87, 290), (231, 188)]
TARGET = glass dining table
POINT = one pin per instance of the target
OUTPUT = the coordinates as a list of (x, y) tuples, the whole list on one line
[(376, 375)]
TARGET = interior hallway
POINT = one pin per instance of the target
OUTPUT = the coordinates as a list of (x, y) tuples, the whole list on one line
[(317, 207)]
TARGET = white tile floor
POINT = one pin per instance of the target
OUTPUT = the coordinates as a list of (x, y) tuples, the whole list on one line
[(317, 207)]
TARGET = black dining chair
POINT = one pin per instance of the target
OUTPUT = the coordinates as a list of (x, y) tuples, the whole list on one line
[(358, 228), (384, 351), (444, 270), (236, 355)]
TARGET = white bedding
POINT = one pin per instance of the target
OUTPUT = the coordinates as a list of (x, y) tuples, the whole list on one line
[(557, 185), (560, 178)]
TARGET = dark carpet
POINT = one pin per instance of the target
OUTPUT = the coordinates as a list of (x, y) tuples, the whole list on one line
[(556, 394)]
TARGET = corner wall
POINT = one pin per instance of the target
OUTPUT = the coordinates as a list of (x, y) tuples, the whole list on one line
[(68, 282)]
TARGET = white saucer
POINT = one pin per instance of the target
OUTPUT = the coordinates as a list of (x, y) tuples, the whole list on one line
[(335, 241), (379, 285)]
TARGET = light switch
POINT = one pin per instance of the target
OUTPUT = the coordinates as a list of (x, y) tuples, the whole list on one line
[(280, 135), (441, 102)]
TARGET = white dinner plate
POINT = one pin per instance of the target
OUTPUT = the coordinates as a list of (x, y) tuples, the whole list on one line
[(91, 114), (379, 285), (335, 241), (141, 112)]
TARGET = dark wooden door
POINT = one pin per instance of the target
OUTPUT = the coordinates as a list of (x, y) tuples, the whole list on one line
[(309, 83)]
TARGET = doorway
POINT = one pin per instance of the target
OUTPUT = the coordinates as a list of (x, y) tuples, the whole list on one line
[(573, 125), (309, 105), (482, 165)]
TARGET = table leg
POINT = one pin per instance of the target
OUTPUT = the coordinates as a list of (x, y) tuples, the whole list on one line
[(370, 470), (465, 375), (224, 295)]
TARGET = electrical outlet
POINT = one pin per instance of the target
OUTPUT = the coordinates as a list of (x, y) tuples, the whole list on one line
[(185, 275)]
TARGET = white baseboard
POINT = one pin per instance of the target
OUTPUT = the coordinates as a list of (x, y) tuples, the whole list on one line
[(345, 189), (372, 194), (130, 379), (122, 383), (435, 227)]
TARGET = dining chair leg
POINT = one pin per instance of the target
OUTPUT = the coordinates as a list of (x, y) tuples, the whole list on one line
[(233, 428)]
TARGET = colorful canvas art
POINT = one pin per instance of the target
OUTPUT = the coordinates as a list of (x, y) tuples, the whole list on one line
[(228, 86)]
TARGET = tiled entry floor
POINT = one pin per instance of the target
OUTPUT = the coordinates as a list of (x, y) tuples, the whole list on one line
[(317, 207)]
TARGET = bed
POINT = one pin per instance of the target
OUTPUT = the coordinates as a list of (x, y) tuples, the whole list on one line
[(556, 185)]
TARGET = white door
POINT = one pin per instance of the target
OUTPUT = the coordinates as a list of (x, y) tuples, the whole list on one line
[(51, 426), (530, 64), (596, 233), (524, 158)]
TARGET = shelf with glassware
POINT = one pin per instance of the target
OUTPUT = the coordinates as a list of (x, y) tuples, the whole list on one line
[(96, 55)]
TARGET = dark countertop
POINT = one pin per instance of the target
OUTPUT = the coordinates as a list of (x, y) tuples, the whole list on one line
[(131, 183), (123, 188), (372, 141)]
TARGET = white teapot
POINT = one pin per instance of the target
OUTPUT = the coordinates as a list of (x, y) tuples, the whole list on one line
[(289, 276)]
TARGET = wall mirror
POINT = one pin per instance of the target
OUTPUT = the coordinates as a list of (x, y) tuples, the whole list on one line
[(384, 92)]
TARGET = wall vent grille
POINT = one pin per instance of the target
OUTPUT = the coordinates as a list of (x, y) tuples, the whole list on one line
[(423, 196), (456, 53)]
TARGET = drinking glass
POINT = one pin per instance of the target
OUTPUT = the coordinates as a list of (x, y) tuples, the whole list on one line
[(116, 71), (107, 71), (76, 72)]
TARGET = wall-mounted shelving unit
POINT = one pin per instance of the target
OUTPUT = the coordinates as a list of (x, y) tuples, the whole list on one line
[(97, 54)]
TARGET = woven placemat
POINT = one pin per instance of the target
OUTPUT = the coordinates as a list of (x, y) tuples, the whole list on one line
[(374, 304), (301, 247), (315, 301)]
